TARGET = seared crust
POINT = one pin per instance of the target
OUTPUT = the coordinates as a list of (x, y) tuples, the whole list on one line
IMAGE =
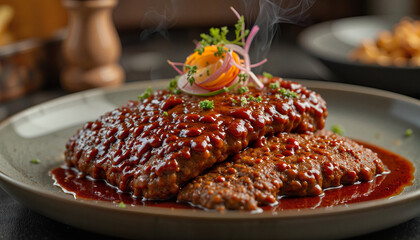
[(287, 165), (153, 147)]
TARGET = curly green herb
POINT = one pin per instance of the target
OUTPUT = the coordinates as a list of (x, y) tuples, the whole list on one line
[(243, 89), (288, 93), (217, 36), (274, 85), (206, 104)]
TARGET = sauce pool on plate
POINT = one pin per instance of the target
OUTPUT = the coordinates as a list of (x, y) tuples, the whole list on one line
[(386, 185)]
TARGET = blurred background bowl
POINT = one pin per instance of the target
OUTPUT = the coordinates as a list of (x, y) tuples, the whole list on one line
[(331, 43), (28, 65), (30, 42)]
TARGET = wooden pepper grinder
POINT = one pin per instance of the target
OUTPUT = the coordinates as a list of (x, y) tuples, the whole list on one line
[(92, 47)]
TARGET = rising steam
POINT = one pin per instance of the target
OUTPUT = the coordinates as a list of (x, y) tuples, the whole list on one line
[(161, 17), (272, 12), (163, 13)]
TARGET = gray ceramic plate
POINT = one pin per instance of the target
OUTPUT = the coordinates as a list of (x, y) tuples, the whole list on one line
[(40, 132), (331, 43)]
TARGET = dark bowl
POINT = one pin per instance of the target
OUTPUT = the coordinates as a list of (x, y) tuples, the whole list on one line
[(331, 43)]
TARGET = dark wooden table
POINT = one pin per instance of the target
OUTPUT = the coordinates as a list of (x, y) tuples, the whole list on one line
[(142, 60)]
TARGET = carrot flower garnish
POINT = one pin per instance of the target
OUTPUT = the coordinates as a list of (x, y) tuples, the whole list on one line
[(216, 65)]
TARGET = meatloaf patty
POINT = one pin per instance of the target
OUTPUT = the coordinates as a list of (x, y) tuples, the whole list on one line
[(154, 146), (287, 165)]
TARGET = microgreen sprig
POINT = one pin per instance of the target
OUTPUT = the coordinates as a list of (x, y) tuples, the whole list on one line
[(190, 74)]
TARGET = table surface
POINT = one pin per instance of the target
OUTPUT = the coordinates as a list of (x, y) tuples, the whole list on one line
[(143, 60)]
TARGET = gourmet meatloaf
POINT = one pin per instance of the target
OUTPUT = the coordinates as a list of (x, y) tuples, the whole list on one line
[(154, 146), (287, 165)]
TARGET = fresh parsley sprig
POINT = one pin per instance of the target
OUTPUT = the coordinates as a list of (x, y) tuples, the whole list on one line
[(206, 104)]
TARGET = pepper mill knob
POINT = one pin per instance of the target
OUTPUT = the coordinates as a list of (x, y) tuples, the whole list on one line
[(92, 47)]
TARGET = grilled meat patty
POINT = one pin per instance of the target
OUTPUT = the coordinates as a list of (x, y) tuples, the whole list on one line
[(285, 165), (153, 147)]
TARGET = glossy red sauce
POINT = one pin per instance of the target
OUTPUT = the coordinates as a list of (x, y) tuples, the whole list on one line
[(383, 186), (171, 136)]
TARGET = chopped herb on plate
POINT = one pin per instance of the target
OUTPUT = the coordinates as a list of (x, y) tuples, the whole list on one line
[(122, 205), (274, 85), (243, 89), (337, 129), (288, 93), (206, 104), (35, 161)]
